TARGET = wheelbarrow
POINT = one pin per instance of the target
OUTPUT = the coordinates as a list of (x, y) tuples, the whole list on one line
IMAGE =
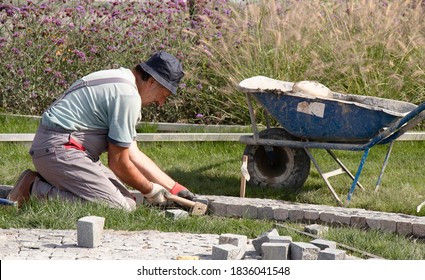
[(280, 156)]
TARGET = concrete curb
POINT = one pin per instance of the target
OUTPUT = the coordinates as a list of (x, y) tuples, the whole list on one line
[(278, 210)]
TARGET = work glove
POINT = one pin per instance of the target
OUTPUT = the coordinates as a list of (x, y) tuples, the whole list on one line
[(182, 191), (157, 195)]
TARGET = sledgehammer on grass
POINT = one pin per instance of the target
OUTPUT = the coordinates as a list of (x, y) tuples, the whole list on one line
[(196, 208)]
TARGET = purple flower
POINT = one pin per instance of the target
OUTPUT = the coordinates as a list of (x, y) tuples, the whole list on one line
[(80, 9), (57, 21), (16, 51), (57, 74), (112, 48), (80, 54), (199, 116), (93, 49), (47, 20), (20, 72), (48, 70), (60, 41)]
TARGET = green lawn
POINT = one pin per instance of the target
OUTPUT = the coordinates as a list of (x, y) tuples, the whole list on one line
[(214, 168)]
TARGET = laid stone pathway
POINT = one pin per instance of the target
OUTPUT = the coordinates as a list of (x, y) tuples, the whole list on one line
[(40, 244), (155, 245), (256, 208)]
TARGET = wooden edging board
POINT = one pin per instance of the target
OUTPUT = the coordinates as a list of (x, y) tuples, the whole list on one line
[(187, 137)]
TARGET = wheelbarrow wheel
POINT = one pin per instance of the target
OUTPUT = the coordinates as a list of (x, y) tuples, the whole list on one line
[(277, 167)]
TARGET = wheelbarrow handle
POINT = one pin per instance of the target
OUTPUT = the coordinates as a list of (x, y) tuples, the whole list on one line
[(395, 130)]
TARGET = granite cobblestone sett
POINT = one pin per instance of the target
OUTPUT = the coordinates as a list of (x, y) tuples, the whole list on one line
[(154, 245)]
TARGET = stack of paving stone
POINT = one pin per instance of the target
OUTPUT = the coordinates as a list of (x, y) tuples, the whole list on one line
[(271, 246), (269, 209)]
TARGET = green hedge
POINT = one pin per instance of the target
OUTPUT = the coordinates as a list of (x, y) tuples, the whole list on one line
[(363, 47)]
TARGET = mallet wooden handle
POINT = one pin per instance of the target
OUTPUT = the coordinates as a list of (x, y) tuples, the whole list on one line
[(180, 200)]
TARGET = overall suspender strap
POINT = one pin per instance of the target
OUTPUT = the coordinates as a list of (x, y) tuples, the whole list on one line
[(98, 82), (91, 83)]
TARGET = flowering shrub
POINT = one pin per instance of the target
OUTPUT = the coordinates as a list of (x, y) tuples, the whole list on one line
[(46, 45)]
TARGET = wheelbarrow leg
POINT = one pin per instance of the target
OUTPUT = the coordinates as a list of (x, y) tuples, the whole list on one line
[(252, 117), (344, 168), (359, 171), (384, 165), (325, 178)]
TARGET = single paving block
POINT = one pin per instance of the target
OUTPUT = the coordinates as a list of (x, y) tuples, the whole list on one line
[(316, 229), (373, 222), (304, 251), (280, 214), (311, 216), (404, 228), (279, 239), (327, 217), (237, 240), (218, 208), (332, 254), (358, 221), (323, 244), (225, 252), (235, 211), (89, 231), (418, 229), (275, 251), (176, 214), (249, 212), (265, 213), (296, 215), (388, 226), (342, 219), (264, 237)]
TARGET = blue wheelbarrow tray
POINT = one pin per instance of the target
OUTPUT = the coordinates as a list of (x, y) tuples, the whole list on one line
[(340, 118), (335, 121)]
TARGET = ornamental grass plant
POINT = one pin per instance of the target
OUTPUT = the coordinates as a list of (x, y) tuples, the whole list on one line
[(363, 47)]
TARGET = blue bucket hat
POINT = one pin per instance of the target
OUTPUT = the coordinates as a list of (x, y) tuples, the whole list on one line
[(165, 68)]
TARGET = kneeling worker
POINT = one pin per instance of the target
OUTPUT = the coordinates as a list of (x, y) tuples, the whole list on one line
[(98, 113)]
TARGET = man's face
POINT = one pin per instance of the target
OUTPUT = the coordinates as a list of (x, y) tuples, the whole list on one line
[(161, 95), (154, 92)]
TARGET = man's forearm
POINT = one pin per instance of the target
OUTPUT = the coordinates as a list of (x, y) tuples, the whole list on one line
[(119, 162)]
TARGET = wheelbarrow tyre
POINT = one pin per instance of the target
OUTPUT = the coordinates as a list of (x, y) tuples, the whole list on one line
[(277, 167)]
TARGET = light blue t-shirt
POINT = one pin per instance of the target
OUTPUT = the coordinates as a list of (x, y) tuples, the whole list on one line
[(114, 107)]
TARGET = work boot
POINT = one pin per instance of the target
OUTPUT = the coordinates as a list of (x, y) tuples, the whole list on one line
[(22, 190)]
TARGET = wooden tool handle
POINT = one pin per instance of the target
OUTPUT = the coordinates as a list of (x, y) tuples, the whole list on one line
[(178, 199)]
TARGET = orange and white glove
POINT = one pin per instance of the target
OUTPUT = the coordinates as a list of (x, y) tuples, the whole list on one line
[(157, 195), (182, 191)]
